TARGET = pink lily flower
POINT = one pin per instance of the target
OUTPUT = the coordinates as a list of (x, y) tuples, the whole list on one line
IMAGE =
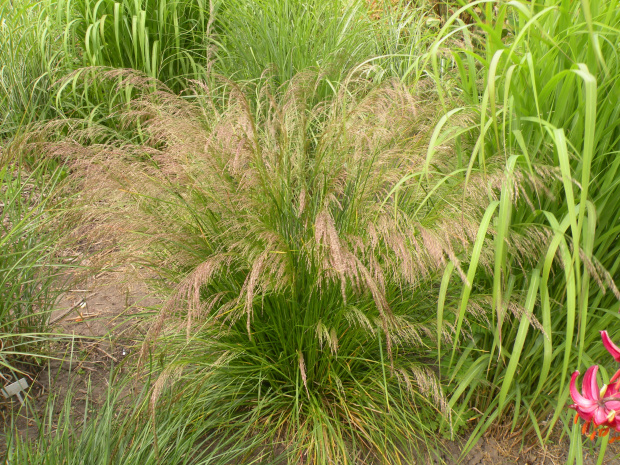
[(587, 405), (600, 408), (612, 348), (596, 405)]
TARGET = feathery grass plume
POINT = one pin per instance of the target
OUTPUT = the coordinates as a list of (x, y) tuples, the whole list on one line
[(302, 245)]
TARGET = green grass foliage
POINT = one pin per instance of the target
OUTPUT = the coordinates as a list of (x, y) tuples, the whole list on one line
[(28, 65), (543, 78), (170, 41), (27, 272), (287, 37), (177, 41), (344, 255), (120, 430)]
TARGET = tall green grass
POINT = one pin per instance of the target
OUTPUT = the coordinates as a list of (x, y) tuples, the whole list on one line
[(121, 430), (29, 64), (167, 40), (532, 177), (287, 37), (179, 41), (28, 269), (402, 33), (49, 47), (543, 78)]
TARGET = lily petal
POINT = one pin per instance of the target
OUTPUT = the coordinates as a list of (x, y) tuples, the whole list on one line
[(579, 400), (586, 416), (590, 385), (600, 416), (612, 348), (613, 405)]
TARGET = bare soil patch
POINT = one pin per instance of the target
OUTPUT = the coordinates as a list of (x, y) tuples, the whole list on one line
[(105, 314)]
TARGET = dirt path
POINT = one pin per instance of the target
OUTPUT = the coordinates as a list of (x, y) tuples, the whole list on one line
[(106, 316)]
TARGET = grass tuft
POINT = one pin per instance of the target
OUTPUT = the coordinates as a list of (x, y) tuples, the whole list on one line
[(302, 245)]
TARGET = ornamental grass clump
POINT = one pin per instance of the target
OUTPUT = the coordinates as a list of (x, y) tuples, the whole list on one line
[(301, 248)]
